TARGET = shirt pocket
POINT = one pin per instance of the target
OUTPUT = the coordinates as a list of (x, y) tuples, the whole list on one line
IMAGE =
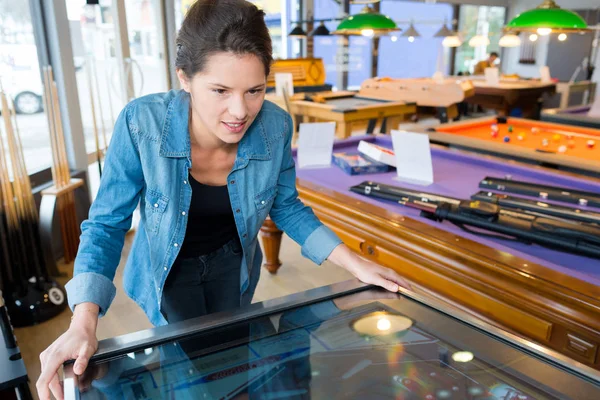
[(156, 205), (264, 201)]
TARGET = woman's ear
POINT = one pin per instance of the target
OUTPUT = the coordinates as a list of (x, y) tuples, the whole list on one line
[(183, 80)]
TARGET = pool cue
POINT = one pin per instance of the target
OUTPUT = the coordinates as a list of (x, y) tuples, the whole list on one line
[(14, 236), (31, 207), (96, 140), (95, 75), (21, 189), (60, 181), (56, 176), (71, 216)]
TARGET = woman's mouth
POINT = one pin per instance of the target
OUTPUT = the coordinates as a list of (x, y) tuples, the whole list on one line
[(234, 127)]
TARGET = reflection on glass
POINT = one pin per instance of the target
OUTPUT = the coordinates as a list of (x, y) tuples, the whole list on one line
[(21, 79), (316, 352)]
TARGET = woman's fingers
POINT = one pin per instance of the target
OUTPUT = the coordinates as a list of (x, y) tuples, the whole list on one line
[(56, 388), (48, 373), (83, 357), (397, 278)]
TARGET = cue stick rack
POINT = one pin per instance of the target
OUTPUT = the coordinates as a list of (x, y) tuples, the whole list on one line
[(61, 193), (31, 295)]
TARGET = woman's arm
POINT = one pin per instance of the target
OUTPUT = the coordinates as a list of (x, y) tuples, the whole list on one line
[(103, 233), (91, 290), (318, 241)]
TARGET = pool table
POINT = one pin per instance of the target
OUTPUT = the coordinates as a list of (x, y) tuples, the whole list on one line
[(347, 109), (549, 296), (576, 116), (508, 95), (343, 341), (529, 140)]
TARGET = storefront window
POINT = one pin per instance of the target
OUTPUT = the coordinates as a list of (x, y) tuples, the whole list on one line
[(478, 20), (272, 8), (21, 80), (93, 41)]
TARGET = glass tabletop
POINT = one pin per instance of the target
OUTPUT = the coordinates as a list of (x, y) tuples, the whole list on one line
[(344, 341)]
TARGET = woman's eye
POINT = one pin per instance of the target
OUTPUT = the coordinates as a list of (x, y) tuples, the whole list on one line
[(255, 91), (219, 91)]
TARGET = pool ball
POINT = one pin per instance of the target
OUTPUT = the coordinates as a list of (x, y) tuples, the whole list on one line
[(590, 144), (510, 129), (495, 127), (535, 130), (506, 139), (494, 134), (571, 144), (556, 137), (521, 136), (545, 142), (562, 149)]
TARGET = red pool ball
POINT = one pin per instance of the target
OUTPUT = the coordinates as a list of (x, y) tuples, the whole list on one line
[(590, 144), (494, 133)]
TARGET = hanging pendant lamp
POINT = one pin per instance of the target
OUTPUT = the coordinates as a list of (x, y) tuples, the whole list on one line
[(547, 17), (366, 23)]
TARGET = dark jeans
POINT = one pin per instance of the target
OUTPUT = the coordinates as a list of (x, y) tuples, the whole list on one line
[(203, 285)]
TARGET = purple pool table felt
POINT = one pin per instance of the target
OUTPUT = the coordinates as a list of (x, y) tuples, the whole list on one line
[(457, 174)]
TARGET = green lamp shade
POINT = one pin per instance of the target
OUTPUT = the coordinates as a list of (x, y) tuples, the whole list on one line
[(547, 15), (366, 19)]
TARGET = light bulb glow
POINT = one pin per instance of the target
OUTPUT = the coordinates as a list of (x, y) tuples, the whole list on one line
[(462, 356), (509, 40), (562, 37), (411, 39), (367, 32), (451, 41), (479, 40), (533, 37), (544, 31), (394, 38), (384, 324)]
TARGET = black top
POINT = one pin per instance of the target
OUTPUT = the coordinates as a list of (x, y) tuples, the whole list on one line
[(210, 220)]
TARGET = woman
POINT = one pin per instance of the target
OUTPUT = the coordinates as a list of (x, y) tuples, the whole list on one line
[(207, 164)]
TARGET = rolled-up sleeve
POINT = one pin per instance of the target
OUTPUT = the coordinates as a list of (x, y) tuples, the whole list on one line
[(103, 233), (297, 220)]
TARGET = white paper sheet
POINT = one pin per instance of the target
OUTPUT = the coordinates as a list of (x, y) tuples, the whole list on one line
[(545, 74), (315, 144), (284, 80), (492, 76), (413, 157)]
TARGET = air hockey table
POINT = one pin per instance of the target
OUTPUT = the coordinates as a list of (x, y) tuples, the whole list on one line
[(347, 340), (546, 295), (576, 116)]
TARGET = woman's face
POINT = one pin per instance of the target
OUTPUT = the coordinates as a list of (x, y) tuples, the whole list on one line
[(227, 95)]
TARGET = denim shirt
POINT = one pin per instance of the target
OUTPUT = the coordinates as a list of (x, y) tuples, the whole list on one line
[(148, 163)]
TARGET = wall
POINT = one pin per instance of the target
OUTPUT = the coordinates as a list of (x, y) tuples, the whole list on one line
[(510, 56)]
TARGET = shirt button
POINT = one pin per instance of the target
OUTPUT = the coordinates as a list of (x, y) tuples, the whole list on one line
[(232, 182), (155, 205), (175, 245), (237, 211), (166, 268), (244, 235), (185, 182), (262, 202), (183, 213)]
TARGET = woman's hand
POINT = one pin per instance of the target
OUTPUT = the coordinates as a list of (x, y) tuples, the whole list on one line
[(367, 271), (78, 343)]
